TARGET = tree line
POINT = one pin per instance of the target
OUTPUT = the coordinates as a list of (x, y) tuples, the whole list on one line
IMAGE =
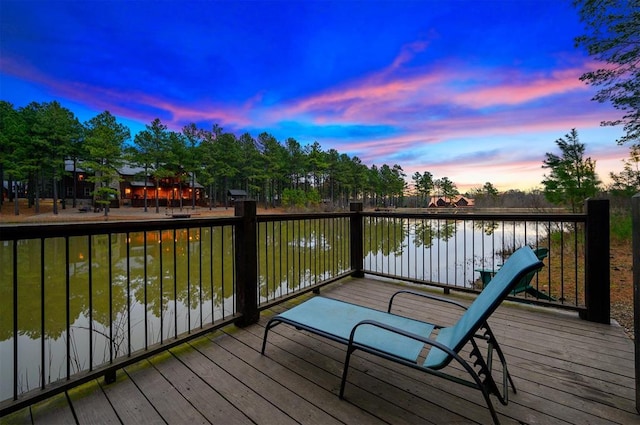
[(36, 140)]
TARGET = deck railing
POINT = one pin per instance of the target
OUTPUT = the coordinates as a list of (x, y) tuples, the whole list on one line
[(463, 252), (455, 250), (82, 300)]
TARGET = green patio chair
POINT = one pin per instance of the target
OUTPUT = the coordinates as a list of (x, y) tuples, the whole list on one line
[(525, 283), (402, 339)]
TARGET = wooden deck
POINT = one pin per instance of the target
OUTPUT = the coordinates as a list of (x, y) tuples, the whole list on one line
[(567, 371)]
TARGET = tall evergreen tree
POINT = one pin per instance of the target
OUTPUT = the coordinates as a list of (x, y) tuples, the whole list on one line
[(151, 150), (227, 160), (251, 171), (53, 132), (359, 177), (192, 162), (104, 141), (12, 155), (177, 156), (572, 177), (424, 186), (446, 188), (275, 156)]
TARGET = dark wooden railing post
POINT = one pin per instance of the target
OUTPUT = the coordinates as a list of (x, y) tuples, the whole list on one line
[(246, 248), (357, 250), (635, 229), (597, 262)]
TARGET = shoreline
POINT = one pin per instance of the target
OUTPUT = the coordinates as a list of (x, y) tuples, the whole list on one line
[(124, 213)]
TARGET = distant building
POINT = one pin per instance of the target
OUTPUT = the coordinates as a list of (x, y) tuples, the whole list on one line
[(456, 202), (75, 179), (236, 194), (169, 190), (132, 186)]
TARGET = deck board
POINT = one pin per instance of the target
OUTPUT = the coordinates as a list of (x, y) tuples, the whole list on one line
[(194, 389), (56, 410), (91, 405), (129, 403), (309, 380), (249, 402), (566, 370), (285, 397), (170, 404)]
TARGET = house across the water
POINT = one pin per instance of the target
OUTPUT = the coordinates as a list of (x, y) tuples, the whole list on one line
[(133, 184), (455, 202)]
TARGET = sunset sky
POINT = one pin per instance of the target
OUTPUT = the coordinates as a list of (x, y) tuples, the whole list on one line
[(475, 91)]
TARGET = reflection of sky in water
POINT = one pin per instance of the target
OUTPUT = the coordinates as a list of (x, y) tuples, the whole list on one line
[(443, 251), (55, 349)]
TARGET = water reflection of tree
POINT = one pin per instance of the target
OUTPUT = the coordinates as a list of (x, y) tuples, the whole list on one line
[(114, 282), (384, 235), (109, 275), (488, 227), (424, 232), (295, 254), (30, 287), (447, 229)]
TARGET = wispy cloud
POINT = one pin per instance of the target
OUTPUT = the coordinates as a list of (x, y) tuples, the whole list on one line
[(516, 88)]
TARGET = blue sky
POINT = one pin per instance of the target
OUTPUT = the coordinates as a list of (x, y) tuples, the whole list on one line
[(471, 90)]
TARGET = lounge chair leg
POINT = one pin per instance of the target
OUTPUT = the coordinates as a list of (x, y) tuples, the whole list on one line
[(495, 346), (494, 415), (513, 386), (345, 371), (266, 331)]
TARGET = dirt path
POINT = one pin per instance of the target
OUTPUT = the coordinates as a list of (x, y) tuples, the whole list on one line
[(46, 215), (622, 285)]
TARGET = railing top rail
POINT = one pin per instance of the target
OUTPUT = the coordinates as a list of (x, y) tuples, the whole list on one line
[(470, 215), (262, 218), (51, 230)]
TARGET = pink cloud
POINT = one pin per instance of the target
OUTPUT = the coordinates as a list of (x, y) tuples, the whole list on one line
[(390, 97), (523, 91), (472, 127), (408, 52)]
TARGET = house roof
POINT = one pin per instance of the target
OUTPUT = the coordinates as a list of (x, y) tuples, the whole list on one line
[(131, 170), (141, 184), (237, 192), (458, 200), (196, 185), (68, 166)]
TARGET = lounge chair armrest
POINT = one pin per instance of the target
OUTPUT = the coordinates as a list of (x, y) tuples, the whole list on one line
[(423, 295), (425, 340)]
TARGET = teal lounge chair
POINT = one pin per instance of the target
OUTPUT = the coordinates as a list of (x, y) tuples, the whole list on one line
[(402, 339)]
